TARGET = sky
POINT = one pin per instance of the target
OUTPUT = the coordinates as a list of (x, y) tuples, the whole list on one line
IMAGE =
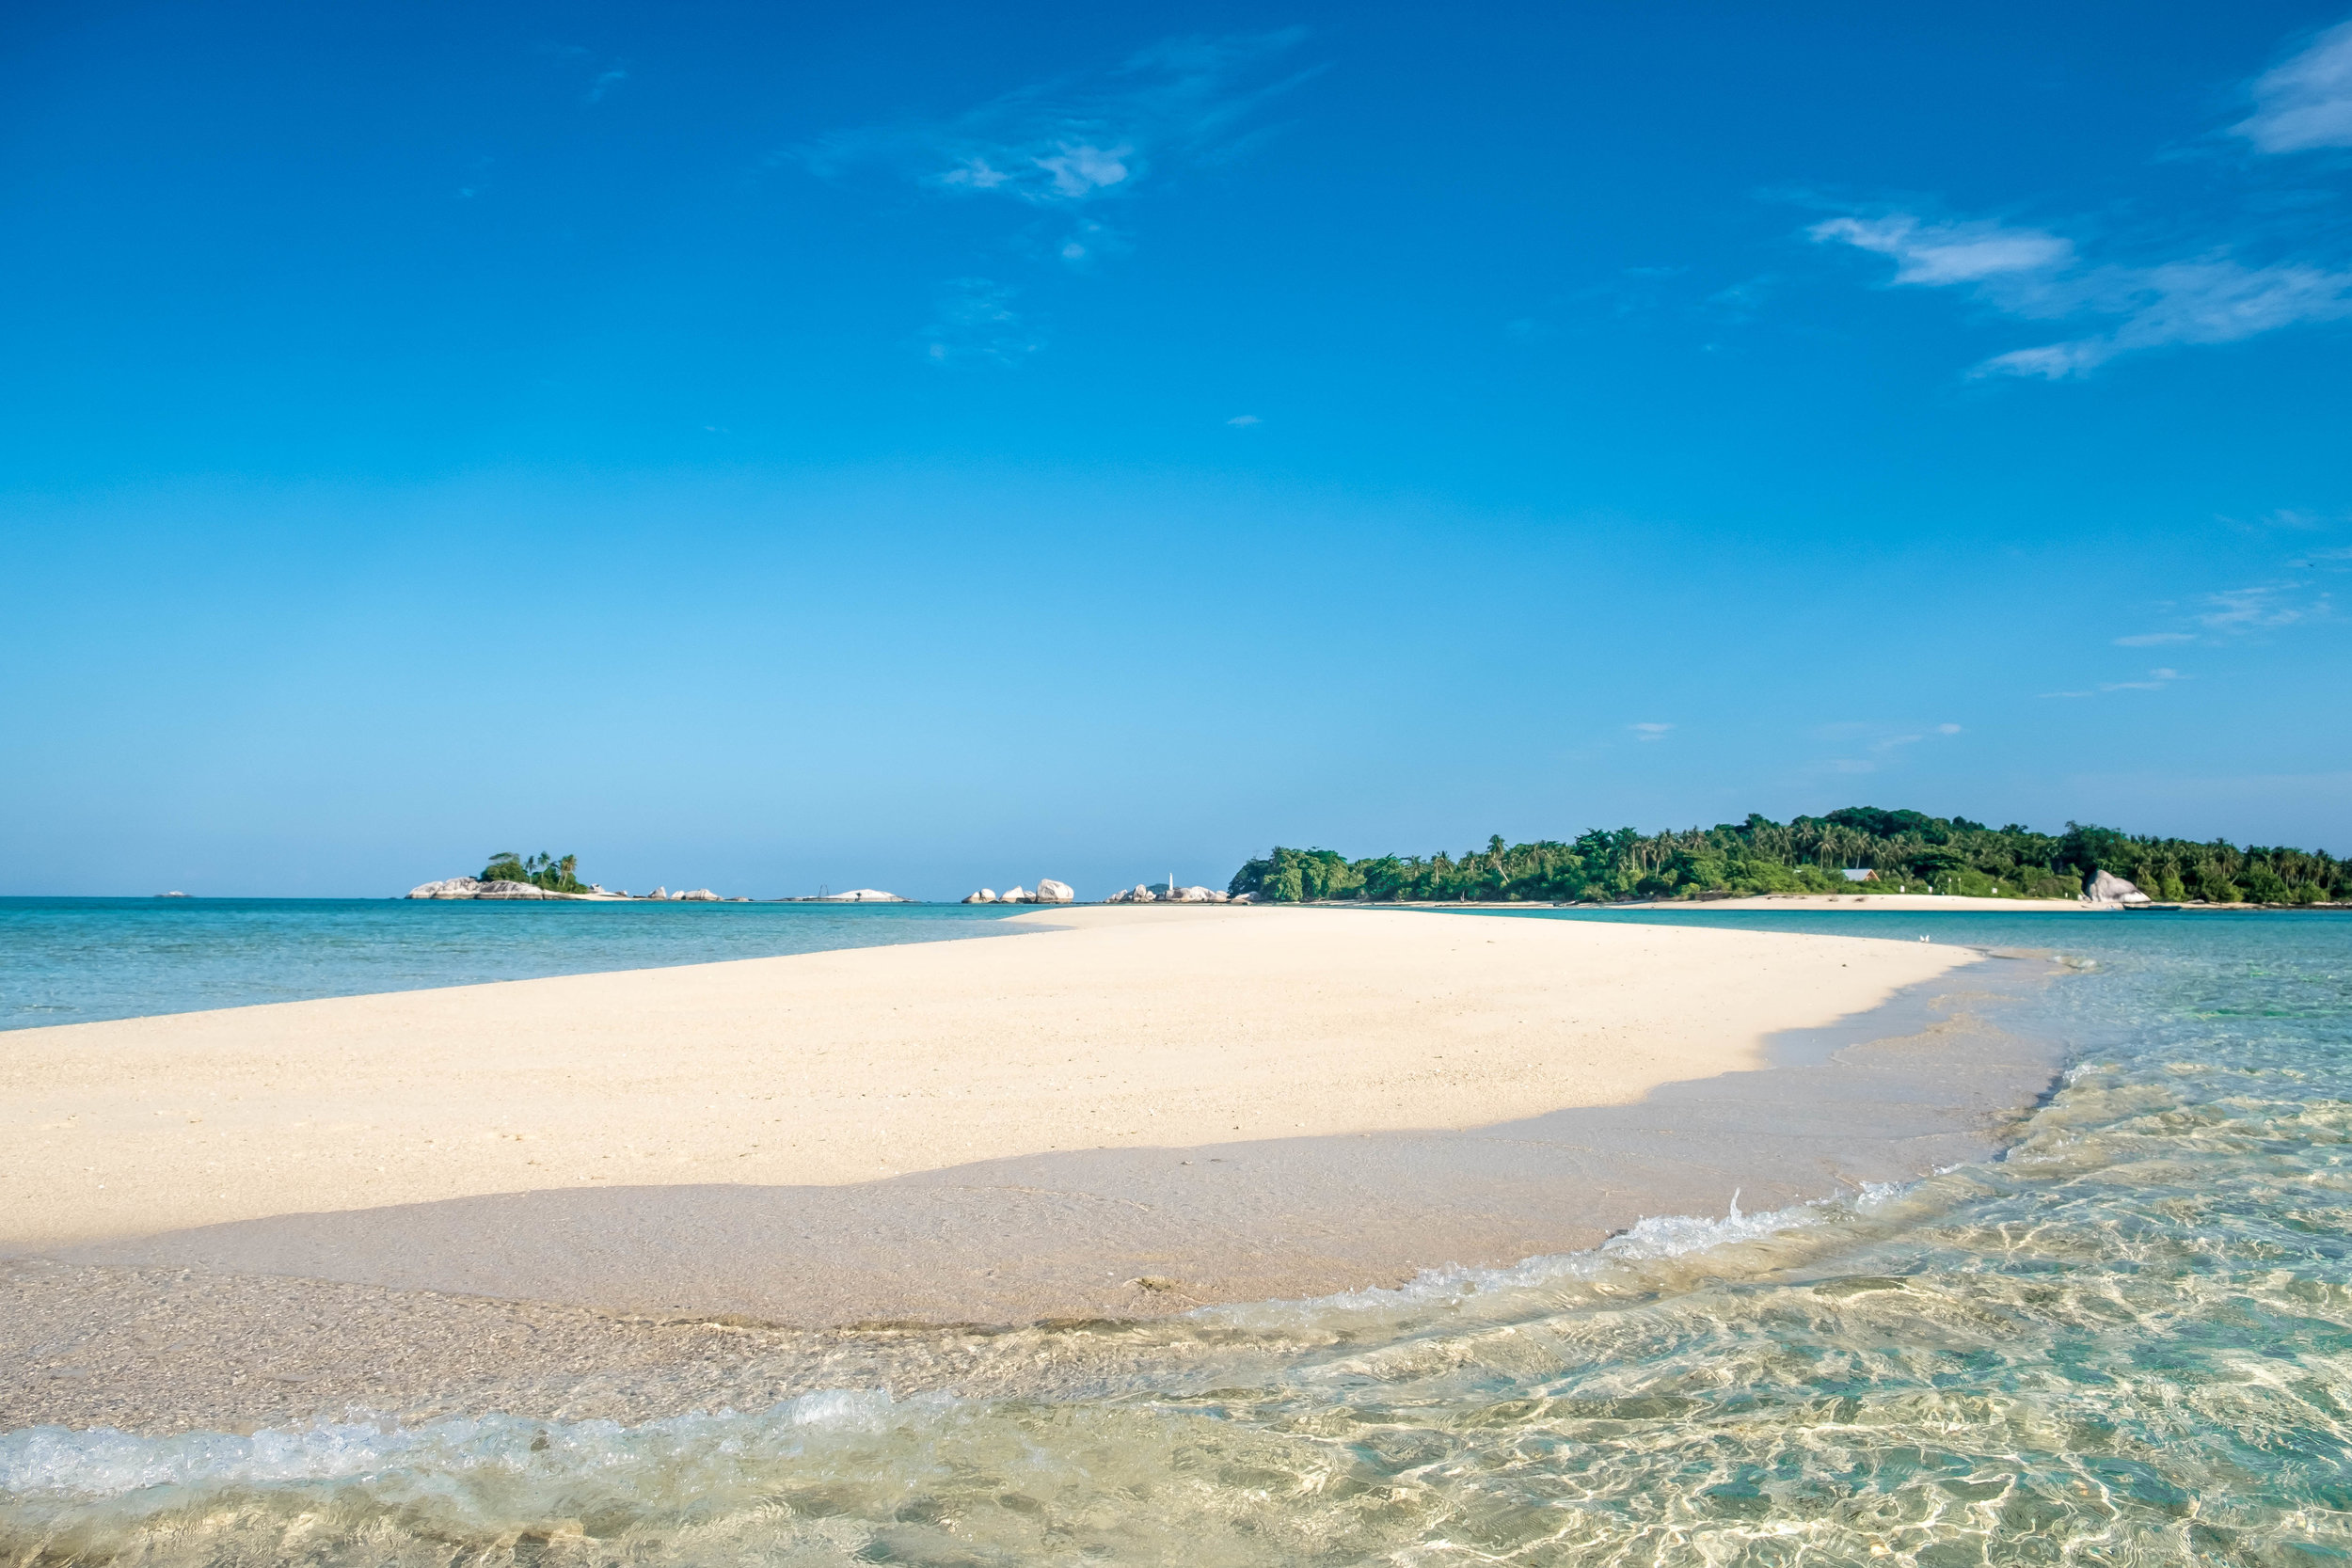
[(926, 446)]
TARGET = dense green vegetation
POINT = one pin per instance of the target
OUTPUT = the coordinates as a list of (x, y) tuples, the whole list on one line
[(540, 870), (1909, 850)]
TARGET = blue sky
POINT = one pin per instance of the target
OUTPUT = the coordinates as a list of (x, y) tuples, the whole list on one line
[(933, 446)]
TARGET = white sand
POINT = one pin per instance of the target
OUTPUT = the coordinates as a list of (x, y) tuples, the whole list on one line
[(1129, 1028)]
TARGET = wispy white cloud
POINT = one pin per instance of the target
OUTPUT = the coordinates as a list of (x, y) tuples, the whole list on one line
[(2262, 607), (1650, 732), (2210, 297), (2304, 103), (1078, 140), (2280, 519), (2035, 273), (2156, 681), (1883, 743), (573, 57), (1243, 421), (2235, 614), (2212, 300), (1935, 254), (1064, 148), (1089, 241), (973, 319), (477, 181)]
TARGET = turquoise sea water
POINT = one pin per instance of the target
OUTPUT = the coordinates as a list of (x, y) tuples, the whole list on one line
[(2128, 1340), (74, 961)]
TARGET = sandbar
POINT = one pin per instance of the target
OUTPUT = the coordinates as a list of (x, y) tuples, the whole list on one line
[(1100, 1029), (1009, 1164)]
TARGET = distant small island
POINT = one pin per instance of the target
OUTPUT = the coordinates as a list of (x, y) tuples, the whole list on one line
[(543, 877), (1859, 850)]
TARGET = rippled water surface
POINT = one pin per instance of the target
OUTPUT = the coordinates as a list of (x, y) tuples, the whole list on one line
[(2129, 1340), (75, 960)]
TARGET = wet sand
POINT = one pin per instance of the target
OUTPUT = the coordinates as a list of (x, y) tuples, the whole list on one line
[(639, 1302)]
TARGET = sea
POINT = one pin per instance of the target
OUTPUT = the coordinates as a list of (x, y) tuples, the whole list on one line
[(2125, 1339), (79, 961)]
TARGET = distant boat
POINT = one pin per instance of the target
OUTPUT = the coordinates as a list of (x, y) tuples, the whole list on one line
[(172, 894)]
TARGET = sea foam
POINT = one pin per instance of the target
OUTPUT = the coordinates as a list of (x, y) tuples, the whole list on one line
[(102, 1463)]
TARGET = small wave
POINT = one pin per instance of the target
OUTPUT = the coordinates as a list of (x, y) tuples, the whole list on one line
[(59, 1461), (1651, 1240)]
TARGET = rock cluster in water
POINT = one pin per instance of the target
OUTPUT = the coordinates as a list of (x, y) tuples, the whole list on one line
[(474, 887), (1170, 893), (1048, 892)]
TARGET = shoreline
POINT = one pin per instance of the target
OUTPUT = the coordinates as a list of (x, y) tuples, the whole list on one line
[(176, 1339), (1122, 1027), (1747, 1075)]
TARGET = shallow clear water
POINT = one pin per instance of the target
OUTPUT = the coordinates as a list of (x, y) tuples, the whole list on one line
[(75, 960), (2129, 1340)]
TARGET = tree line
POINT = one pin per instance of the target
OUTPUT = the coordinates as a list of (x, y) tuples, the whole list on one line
[(1909, 850), (541, 870)]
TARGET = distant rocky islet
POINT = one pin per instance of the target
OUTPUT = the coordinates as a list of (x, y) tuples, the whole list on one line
[(474, 887), (1048, 891), (1170, 893)]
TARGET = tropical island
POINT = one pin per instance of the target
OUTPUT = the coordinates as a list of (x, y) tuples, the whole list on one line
[(1858, 849), (542, 871), (510, 876)]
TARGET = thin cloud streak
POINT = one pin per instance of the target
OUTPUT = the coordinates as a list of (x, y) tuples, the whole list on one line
[(2205, 299), (2305, 103), (2032, 273), (2157, 680), (1883, 744), (973, 319), (2205, 302), (2237, 613), (2260, 608), (1181, 102), (1934, 255)]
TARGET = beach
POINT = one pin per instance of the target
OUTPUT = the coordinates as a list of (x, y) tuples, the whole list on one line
[(410, 1199), (1103, 1029), (1893, 1245)]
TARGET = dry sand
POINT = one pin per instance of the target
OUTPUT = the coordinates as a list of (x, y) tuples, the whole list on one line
[(1104, 1028)]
